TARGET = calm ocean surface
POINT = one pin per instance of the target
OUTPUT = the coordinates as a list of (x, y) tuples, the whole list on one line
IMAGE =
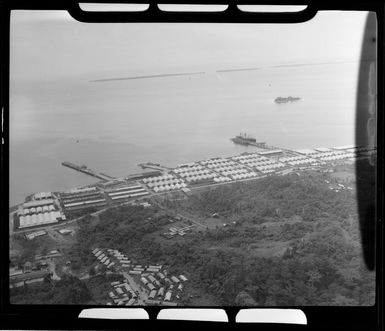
[(170, 120)]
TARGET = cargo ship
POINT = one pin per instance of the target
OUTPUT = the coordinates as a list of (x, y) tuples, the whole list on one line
[(245, 139), (285, 100)]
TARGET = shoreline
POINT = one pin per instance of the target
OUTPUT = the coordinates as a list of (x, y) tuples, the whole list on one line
[(167, 169)]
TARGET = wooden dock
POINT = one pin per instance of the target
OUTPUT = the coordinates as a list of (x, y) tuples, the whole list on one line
[(86, 171)]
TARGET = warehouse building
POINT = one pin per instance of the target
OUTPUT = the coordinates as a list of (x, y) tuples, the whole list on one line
[(40, 219), (33, 235), (82, 198), (38, 203), (271, 152), (85, 204)]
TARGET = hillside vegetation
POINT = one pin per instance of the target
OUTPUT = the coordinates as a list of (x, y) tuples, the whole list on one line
[(289, 241)]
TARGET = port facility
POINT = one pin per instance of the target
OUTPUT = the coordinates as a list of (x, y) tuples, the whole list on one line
[(45, 208)]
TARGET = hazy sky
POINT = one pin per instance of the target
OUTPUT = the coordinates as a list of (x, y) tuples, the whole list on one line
[(50, 46)]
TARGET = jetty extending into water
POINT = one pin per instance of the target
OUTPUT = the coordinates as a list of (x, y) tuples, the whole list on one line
[(87, 171), (154, 166)]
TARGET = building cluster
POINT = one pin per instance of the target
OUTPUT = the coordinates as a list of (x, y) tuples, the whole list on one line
[(43, 195), (247, 165), (122, 294), (258, 162), (340, 187), (173, 231), (162, 286), (114, 259), (40, 209), (154, 279), (164, 183), (29, 273), (40, 219), (126, 192), (82, 198), (50, 255), (221, 179), (297, 160), (228, 169), (215, 170), (193, 172), (103, 257), (44, 207), (39, 212), (334, 155)]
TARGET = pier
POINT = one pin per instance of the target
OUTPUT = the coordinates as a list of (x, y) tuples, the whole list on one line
[(86, 171), (154, 166), (258, 144)]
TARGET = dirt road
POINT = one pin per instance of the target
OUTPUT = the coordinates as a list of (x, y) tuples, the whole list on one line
[(142, 296)]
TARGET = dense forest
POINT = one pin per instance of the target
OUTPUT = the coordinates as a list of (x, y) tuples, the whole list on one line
[(321, 262), (120, 228), (274, 197)]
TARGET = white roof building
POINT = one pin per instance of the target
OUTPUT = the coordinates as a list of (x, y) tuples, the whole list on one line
[(161, 291), (152, 294), (144, 280), (174, 279), (167, 297), (183, 278)]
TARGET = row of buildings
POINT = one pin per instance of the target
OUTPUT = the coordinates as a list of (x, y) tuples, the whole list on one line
[(124, 192), (165, 183), (30, 273), (244, 166), (81, 198)]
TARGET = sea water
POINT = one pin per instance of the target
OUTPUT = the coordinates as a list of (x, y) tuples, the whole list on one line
[(113, 126)]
